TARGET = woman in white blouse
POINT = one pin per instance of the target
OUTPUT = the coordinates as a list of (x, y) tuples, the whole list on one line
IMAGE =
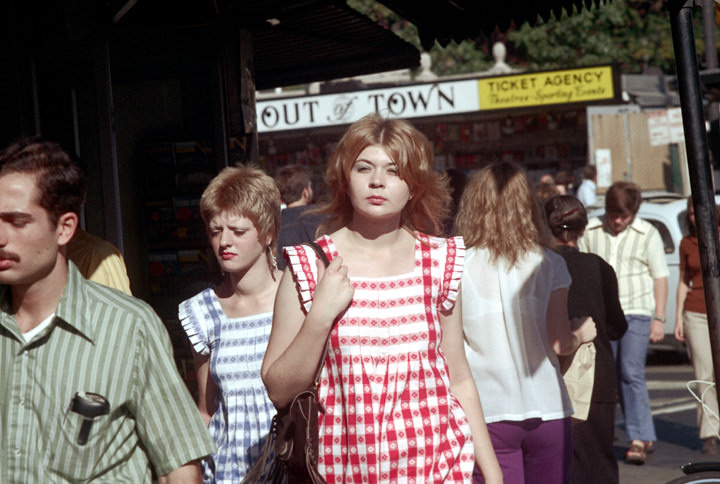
[(514, 305)]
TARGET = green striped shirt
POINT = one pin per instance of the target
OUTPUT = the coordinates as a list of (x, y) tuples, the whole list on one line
[(104, 342), (638, 256)]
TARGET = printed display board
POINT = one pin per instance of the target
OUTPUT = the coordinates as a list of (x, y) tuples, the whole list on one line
[(587, 84)]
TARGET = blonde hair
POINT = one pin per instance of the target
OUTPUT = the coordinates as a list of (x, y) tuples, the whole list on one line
[(247, 191), (411, 151), (499, 211)]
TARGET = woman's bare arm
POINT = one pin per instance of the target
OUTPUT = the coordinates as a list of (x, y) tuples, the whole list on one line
[(463, 387), (207, 388), (297, 340), (563, 338)]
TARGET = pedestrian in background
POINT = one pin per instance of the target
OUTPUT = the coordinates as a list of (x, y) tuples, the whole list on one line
[(545, 191), (634, 248), (691, 326), (99, 261), (594, 292), (298, 221), (400, 402), (565, 182), (457, 180), (515, 320), (587, 191), (229, 325)]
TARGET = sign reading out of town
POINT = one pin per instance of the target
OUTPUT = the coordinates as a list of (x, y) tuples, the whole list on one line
[(588, 84)]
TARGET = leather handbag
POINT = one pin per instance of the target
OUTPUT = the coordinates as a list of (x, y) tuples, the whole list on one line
[(291, 450)]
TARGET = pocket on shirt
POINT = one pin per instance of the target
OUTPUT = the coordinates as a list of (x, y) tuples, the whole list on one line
[(66, 457)]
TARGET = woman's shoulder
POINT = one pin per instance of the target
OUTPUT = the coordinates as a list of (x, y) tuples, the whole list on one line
[(689, 241), (204, 297), (297, 252), (553, 260), (440, 242), (551, 255), (576, 258)]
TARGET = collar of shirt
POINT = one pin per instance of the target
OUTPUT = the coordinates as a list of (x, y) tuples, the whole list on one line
[(70, 309), (638, 225)]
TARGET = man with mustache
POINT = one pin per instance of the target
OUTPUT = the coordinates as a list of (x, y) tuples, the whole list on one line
[(91, 391)]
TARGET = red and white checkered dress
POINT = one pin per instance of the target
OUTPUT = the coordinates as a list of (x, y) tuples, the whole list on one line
[(389, 414)]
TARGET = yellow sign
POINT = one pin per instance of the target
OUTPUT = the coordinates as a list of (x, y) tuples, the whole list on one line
[(542, 88)]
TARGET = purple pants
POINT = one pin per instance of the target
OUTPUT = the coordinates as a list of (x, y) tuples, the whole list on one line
[(532, 451)]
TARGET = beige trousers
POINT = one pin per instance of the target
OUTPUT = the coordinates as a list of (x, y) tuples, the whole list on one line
[(697, 337)]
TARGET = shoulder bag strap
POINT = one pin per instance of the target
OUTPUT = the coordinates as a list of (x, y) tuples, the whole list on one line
[(323, 257)]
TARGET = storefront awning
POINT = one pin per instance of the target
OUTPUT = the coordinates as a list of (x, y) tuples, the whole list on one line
[(294, 42)]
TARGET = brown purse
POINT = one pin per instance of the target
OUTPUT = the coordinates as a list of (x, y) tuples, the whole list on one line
[(291, 450)]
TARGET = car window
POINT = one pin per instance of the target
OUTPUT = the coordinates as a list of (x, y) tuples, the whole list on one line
[(664, 234)]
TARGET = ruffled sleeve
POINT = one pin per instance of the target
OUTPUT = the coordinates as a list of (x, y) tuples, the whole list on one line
[(200, 319), (454, 263), (301, 261)]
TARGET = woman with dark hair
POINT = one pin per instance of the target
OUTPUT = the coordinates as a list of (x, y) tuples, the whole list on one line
[(515, 320), (229, 325), (691, 326), (594, 291), (400, 402)]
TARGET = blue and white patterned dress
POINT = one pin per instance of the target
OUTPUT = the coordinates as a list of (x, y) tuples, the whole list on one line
[(241, 423)]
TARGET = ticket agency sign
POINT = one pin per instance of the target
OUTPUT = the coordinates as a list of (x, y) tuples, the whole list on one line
[(587, 84), (439, 98)]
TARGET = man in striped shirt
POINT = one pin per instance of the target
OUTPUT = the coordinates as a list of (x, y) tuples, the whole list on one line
[(634, 248), (90, 392)]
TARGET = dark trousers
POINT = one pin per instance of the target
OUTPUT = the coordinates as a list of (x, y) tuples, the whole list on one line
[(593, 460)]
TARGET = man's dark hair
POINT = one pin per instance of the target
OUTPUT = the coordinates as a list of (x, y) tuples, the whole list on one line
[(291, 181), (624, 198), (60, 181)]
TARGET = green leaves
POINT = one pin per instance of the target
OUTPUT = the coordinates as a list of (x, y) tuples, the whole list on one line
[(634, 38)]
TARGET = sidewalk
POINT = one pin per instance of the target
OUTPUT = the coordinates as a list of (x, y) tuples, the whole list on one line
[(677, 445), (675, 424)]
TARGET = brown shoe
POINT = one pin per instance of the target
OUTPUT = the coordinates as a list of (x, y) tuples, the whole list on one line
[(710, 446), (649, 446), (636, 453)]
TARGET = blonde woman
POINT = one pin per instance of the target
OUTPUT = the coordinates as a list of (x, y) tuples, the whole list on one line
[(514, 304), (229, 325), (400, 402)]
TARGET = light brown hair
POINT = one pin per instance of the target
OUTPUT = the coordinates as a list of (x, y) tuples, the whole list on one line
[(246, 191), (412, 153), (291, 180), (623, 198), (500, 212)]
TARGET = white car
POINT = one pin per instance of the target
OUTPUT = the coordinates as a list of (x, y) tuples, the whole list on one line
[(666, 211)]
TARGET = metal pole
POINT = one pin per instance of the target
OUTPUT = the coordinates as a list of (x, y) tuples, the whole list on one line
[(700, 171)]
